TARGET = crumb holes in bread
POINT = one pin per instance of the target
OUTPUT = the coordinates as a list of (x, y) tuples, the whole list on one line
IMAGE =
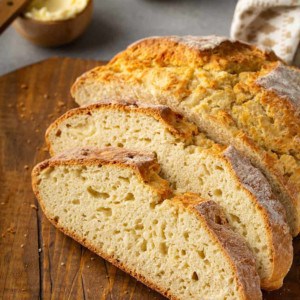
[(144, 246), (105, 210), (218, 192), (97, 194), (219, 168), (129, 197), (195, 276), (201, 254), (186, 235), (125, 179), (76, 201), (58, 133), (163, 248), (235, 218)]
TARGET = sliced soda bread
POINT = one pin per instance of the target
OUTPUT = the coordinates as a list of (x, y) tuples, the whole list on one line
[(191, 163), (237, 93), (113, 202)]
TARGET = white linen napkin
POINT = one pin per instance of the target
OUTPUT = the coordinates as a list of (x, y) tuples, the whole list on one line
[(273, 24)]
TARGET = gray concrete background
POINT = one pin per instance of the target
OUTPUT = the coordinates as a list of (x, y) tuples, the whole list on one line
[(116, 23)]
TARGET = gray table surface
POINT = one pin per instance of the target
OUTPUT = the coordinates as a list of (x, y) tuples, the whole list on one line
[(116, 23)]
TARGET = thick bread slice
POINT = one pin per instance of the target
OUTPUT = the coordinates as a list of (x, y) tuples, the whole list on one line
[(113, 202), (237, 93), (191, 163)]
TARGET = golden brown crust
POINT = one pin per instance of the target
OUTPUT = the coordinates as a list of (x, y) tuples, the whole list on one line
[(215, 52), (144, 164)]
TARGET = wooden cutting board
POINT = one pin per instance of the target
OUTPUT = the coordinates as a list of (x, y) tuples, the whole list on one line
[(36, 260)]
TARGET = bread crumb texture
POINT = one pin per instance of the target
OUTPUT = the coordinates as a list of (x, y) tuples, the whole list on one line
[(191, 163), (182, 247)]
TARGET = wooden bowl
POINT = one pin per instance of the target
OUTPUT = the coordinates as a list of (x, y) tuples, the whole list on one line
[(54, 33)]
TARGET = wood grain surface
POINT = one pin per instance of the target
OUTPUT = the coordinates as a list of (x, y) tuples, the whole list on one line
[(36, 260)]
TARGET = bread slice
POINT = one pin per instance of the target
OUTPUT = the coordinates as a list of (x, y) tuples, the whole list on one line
[(237, 93), (113, 202), (192, 163)]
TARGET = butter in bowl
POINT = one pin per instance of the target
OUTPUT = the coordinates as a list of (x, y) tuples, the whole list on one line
[(52, 23)]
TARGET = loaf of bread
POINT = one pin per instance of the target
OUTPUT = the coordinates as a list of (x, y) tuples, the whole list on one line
[(237, 93), (113, 202), (191, 163)]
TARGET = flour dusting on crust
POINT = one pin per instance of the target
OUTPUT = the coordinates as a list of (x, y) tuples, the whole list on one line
[(284, 81), (256, 183), (201, 43)]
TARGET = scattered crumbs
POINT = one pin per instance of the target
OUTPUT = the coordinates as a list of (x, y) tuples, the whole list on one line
[(88, 266), (26, 266), (24, 86), (3, 234), (107, 276), (50, 116), (60, 103), (25, 234), (46, 96), (126, 292), (23, 290), (28, 141), (26, 167), (22, 116), (22, 245), (92, 258), (40, 250), (44, 149), (2, 203), (11, 230), (9, 105), (33, 206), (21, 104), (37, 130), (62, 264)]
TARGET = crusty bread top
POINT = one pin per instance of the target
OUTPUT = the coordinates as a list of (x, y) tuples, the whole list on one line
[(144, 164), (283, 81), (213, 51), (249, 99)]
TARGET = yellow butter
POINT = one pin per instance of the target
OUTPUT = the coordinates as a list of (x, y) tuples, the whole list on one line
[(54, 10)]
